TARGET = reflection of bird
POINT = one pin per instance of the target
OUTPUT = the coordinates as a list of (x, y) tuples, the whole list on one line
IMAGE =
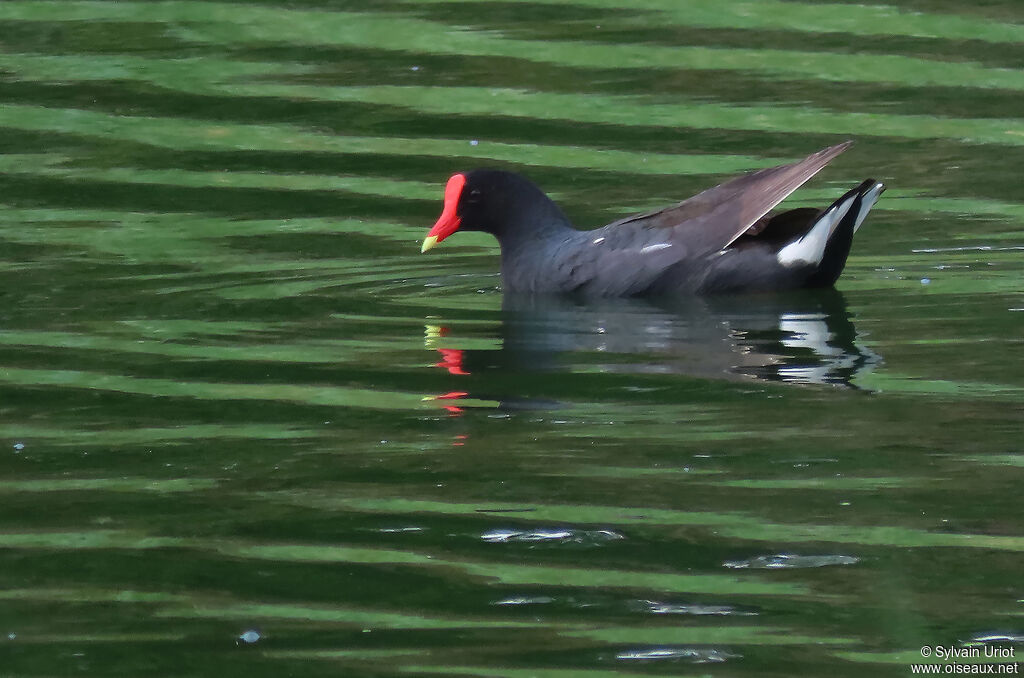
[(451, 360), (721, 240), (802, 337)]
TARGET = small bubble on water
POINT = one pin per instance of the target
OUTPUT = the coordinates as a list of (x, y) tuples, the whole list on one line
[(415, 68), (18, 447), (473, 142), (249, 637), (925, 281), (12, 635)]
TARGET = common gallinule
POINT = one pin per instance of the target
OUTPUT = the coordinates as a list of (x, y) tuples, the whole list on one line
[(721, 240)]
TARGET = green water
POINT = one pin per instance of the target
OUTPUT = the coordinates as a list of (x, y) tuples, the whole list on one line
[(247, 429)]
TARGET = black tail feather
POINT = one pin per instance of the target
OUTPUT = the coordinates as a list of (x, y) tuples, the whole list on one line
[(838, 247)]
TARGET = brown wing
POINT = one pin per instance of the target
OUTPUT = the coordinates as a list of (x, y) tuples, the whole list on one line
[(713, 219)]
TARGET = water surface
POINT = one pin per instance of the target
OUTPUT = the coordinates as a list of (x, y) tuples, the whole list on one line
[(249, 430)]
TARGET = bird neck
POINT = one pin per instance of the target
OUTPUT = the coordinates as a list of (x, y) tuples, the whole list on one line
[(526, 224)]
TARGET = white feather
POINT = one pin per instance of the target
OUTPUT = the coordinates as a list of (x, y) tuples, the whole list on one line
[(866, 203), (811, 247)]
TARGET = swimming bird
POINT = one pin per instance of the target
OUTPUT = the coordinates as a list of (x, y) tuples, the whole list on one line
[(723, 240)]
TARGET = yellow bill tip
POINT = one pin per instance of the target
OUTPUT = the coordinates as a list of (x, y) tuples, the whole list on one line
[(428, 243)]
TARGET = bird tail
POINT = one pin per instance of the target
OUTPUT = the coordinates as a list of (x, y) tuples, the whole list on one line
[(838, 224)]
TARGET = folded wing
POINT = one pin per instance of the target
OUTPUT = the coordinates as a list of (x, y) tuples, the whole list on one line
[(713, 219)]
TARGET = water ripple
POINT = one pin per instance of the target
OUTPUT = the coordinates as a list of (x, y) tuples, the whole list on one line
[(788, 561), (561, 536)]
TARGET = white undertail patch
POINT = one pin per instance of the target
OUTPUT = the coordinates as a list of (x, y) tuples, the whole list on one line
[(811, 247), (866, 203)]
